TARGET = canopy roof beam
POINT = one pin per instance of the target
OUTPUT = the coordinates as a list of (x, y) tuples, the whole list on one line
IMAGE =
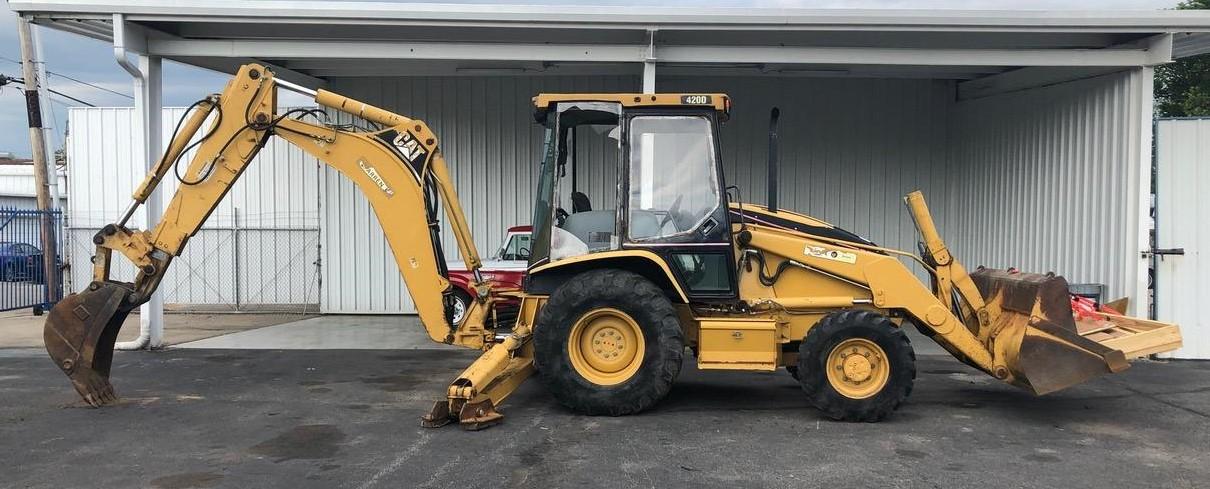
[(298, 49)]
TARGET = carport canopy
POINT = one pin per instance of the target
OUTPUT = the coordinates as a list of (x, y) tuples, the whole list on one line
[(984, 52), (309, 42)]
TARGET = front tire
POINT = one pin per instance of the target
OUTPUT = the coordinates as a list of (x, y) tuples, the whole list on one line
[(608, 342), (856, 365)]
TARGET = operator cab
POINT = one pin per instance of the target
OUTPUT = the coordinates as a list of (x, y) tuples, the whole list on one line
[(633, 172)]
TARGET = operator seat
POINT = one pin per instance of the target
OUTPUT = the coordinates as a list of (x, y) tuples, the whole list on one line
[(594, 228), (580, 202)]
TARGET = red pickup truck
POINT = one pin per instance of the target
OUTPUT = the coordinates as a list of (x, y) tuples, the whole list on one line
[(504, 269)]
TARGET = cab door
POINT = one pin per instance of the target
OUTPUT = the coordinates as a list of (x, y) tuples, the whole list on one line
[(675, 204)]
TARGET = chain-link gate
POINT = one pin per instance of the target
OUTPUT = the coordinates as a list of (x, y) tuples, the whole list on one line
[(230, 268), (23, 280)]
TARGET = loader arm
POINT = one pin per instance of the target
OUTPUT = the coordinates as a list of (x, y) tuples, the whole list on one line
[(400, 170), (1017, 327)]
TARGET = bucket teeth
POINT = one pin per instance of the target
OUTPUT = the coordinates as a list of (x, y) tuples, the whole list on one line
[(80, 332)]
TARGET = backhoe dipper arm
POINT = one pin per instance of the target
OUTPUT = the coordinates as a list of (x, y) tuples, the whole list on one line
[(400, 170)]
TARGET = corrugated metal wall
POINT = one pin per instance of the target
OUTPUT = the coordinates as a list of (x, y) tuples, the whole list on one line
[(1044, 179), (1049, 179), (1183, 179), (850, 149), (17, 183), (259, 246)]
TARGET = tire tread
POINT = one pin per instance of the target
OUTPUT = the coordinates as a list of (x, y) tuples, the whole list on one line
[(635, 296)]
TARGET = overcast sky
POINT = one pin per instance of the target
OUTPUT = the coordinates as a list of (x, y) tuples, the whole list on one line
[(92, 61)]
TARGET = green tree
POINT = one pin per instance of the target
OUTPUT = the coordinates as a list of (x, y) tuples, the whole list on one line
[(1182, 88)]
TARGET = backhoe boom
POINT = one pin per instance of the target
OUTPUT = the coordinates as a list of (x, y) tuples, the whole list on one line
[(399, 168)]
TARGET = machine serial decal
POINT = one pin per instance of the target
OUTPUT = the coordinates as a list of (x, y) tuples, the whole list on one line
[(373, 174), (409, 146), (834, 255)]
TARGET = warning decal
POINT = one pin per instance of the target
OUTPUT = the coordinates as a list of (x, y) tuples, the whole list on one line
[(834, 255)]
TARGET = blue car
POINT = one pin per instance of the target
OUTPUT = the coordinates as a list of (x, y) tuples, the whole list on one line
[(20, 262)]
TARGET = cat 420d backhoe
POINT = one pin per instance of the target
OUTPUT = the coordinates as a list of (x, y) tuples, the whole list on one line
[(632, 261)]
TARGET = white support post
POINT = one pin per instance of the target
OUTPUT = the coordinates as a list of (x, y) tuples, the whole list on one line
[(149, 105), (649, 77), (649, 64), (129, 39), (1145, 107)]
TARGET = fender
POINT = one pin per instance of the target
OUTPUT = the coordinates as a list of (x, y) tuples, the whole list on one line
[(650, 265)]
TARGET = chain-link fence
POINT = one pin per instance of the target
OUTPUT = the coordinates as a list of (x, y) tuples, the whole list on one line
[(23, 280)]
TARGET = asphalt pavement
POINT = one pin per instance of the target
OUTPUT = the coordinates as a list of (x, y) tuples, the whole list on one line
[(349, 418)]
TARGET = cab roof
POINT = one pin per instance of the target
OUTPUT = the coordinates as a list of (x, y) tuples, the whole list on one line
[(718, 101)]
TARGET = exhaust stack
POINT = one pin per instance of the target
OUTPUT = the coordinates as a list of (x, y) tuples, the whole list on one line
[(771, 170)]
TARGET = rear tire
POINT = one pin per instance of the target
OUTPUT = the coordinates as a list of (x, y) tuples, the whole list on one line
[(608, 342), (856, 365)]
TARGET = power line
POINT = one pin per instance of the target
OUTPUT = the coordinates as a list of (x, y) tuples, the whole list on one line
[(82, 82), (5, 80), (98, 87)]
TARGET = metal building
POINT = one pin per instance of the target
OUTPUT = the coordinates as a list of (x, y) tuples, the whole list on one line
[(17, 187), (1029, 131), (1182, 151)]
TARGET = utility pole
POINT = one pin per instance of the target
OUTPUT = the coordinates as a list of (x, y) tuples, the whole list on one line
[(37, 143), (44, 90)]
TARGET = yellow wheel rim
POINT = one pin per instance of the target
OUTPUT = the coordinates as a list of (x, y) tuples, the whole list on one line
[(606, 346), (857, 368)]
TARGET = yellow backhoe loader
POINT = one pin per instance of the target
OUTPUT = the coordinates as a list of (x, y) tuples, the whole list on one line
[(621, 284)]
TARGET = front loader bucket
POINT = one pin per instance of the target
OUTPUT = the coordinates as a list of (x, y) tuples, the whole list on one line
[(1033, 333), (80, 333)]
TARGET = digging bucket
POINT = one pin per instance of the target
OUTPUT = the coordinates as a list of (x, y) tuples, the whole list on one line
[(80, 333)]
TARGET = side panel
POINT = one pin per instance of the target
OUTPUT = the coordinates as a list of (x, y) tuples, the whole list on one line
[(1054, 179), (1182, 182)]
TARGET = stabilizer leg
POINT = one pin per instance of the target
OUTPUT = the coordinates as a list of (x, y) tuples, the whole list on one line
[(472, 397)]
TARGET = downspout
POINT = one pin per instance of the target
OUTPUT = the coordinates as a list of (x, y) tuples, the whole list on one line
[(119, 55)]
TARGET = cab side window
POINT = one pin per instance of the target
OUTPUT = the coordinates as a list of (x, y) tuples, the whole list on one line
[(673, 186)]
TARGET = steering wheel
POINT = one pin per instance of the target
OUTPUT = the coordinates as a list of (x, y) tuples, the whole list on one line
[(522, 254), (672, 211)]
